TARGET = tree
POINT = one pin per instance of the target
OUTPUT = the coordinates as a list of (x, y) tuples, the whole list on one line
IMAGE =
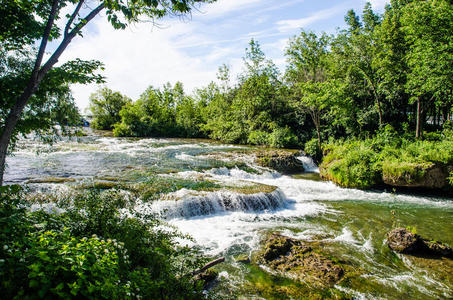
[(105, 105), (51, 105), (307, 73), (428, 27), (39, 14)]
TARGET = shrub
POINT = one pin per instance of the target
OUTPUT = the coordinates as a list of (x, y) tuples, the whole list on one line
[(352, 164), (258, 137), (312, 148), (362, 164), (283, 138), (91, 250)]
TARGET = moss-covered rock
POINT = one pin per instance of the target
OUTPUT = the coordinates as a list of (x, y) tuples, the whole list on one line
[(422, 175), (294, 259), (282, 161), (207, 277), (52, 180), (242, 258), (403, 241)]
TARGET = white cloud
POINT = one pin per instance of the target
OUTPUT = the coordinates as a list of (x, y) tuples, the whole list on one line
[(292, 24), (379, 4), (138, 57), (223, 7)]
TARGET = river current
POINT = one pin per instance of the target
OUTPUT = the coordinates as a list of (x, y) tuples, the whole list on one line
[(349, 224)]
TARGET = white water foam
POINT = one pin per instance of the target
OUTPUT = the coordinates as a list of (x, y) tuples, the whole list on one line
[(187, 204), (309, 164)]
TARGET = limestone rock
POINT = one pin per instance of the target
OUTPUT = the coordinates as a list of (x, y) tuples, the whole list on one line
[(294, 259), (281, 161), (434, 176), (403, 241)]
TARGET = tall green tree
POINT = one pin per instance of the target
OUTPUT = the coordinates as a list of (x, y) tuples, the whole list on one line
[(307, 56), (23, 19), (105, 106), (428, 28)]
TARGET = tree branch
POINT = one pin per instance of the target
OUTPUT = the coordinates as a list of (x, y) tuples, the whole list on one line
[(66, 40), (207, 266), (73, 16), (44, 40)]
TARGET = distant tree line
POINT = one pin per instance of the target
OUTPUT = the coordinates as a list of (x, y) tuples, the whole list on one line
[(392, 69)]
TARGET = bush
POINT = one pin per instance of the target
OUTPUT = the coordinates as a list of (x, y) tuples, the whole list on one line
[(258, 137), (283, 138), (90, 251), (362, 164), (352, 164), (312, 148)]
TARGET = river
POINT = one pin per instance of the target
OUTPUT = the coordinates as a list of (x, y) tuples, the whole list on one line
[(251, 201)]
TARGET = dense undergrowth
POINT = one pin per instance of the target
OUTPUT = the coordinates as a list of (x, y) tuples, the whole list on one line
[(86, 249), (386, 157)]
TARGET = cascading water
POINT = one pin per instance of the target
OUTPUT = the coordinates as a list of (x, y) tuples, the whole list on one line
[(190, 205), (309, 164), (350, 224)]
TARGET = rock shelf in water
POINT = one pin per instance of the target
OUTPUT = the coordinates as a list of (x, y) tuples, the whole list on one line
[(296, 260), (403, 241)]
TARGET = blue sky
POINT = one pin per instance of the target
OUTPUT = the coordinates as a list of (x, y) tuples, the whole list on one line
[(191, 50)]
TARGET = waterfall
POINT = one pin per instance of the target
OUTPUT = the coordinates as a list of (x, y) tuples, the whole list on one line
[(309, 164), (217, 202)]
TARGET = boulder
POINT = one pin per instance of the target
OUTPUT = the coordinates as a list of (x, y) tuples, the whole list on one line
[(207, 277), (282, 161), (242, 258), (403, 241), (294, 259)]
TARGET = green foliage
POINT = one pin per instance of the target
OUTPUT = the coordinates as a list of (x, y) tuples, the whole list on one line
[(312, 148), (105, 106), (283, 138), (90, 251), (362, 164), (352, 164)]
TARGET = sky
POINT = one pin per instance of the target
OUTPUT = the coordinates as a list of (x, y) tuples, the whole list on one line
[(191, 50)]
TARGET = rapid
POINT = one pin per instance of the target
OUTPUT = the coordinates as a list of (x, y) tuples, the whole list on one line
[(251, 202)]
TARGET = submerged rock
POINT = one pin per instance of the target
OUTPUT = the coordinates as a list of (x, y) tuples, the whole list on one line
[(294, 259), (281, 161), (242, 258), (207, 277), (403, 241)]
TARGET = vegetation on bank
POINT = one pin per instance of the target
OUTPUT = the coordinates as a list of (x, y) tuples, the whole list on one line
[(90, 250), (390, 69), (392, 159)]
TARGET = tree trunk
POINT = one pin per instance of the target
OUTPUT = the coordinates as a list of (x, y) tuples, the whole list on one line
[(419, 123), (379, 112)]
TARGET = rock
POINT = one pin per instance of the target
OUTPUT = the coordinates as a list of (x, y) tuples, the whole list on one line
[(242, 258), (294, 259), (281, 161), (207, 276), (439, 249), (429, 176), (403, 241)]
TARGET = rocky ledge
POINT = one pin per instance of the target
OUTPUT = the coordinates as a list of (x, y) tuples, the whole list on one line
[(403, 241), (294, 259), (429, 176), (282, 161)]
